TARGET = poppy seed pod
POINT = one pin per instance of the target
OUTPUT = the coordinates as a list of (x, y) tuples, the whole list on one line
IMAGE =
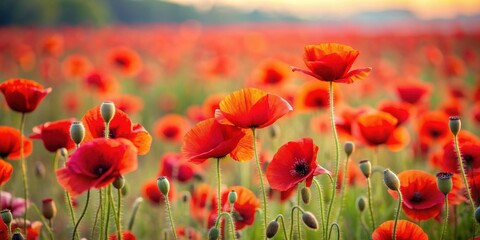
[(63, 152), (272, 229), (349, 148), (6, 216), (477, 214), (119, 182), (310, 220), (361, 203), (391, 180), (366, 168), (213, 233), (163, 185), (107, 109), (455, 124), (306, 194), (77, 132), (49, 210), (444, 182), (232, 197)]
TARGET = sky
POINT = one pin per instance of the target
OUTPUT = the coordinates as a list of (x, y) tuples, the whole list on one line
[(425, 9)]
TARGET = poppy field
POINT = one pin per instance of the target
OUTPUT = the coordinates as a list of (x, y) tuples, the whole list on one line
[(238, 131)]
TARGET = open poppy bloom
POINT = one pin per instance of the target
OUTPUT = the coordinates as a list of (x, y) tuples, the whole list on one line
[(210, 139), (413, 92), (400, 110), (6, 170), (127, 61), (470, 150), (421, 198), (10, 144), (54, 135), (433, 128), (153, 195), (3, 230), (204, 199), (23, 95), (101, 82), (120, 127), (126, 235), (211, 104), (251, 108), (474, 183), (377, 127), (314, 95), (294, 162), (405, 231), (129, 104), (270, 73), (174, 166), (171, 128), (96, 164), (331, 62), (76, 66)]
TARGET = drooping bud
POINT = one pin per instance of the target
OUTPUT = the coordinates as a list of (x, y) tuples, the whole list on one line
[(306, 194), (63, 152), (6, 216), (17, 235), (107, 110), (232, 197), (163, 185), (272, 229), (125, 189), (77, 132), (444, 182), (391, 180), (49, 210), (349, 148), (39, 169), (213, 233), (361, 203), (119, 182), (455, 124), (310, 220), (366, 168)]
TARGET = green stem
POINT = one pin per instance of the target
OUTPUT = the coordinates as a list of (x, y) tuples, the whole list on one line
[(338, 231), (337, 153), (70, 208), (136, 205), (291, 219), (107, 220), (115, 216), (47, 225), (298, 212), (172, 225), (445, 221), (259, 169), (462, 169), (55, 160), (370, 201), (81, 216), (320, 196), (219, 200), (283, 226), (343, 188), (362, 220), (119, 216), (96, 217), (394, 232), (24, 173), (230, 219), (107, 130)]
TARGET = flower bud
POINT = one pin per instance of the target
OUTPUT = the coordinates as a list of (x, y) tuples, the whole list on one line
[(310, 220), (17, 235), (185, 197), (444, 182), (361, 203), (274, 131), (232, 197), (63, 152), (306, 194), (107, 109), (366, 168), (391, 180), (125, 189), (49, 210), (163, 185), (272, 229), (77, 132), (6, 216), (39, 169), (119, 182), (455, 124), (213, 233), (477, 214), (349, 147)]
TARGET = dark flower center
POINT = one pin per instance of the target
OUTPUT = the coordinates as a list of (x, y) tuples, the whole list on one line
[(100, 170), (468, 160), (170, 132), (300, 168), (416, 198), (435, 133), (121, 61)]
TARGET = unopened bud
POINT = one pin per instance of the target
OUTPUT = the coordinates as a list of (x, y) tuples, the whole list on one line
[(232, 197), (366, 168), (49, 210), (77, 132), (391, 180), (39, 169), (455, 124), (477, 214), (107, 109), (6, 216), (310, 220), (63, 152), (349, 148), (119, 182), (17, 235), (361, 203), (185, 197), (306, 194), (444, 182), (272, 229), (163, 185), (125, 189), (213, 233)]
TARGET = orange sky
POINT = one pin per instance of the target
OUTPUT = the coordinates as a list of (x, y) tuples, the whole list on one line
[(426, 9)]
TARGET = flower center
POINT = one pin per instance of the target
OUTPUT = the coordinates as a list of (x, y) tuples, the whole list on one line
[(100, 170), (435, 133), (468, 159), (170, 132), (416, 198), (300, 168)]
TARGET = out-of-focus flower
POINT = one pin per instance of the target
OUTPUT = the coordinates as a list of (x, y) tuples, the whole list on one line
[(171, 128), (405, 231), (10, 144), (23, 95), (54, 135)]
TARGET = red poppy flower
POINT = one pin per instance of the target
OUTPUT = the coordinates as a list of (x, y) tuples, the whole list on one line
[(54, 135), (10, 144), (244, 209), (297, 160), (470, 148), (129, 104), (3, 230), (251, 108), (174, 166), (187, 233), (101, 82), (151, 192), (171, 127), (120, 127), (474, 184), (126, 235), (210, 139), (126, 60), (33, 228), (433, 127), (204, 199), (421, 198), (196, 113), (346, 119), (53, 45), (96, 164), (6, 170), (413, 91), (400, 110), (76, 66), (270, 73), (314, 95), (405, 231), (211, 104), (281, 196), (376, 127), (23, 95), (331, 62)]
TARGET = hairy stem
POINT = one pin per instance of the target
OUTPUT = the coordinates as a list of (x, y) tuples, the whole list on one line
[(81, 216), (259, 169)]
